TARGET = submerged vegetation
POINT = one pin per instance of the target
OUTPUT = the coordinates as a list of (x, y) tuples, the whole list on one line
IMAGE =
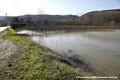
[(34, 62)]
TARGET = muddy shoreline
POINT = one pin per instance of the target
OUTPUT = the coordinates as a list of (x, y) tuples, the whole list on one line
[(79, 64)]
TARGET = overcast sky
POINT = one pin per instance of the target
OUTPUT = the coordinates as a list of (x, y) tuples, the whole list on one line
[(64, 7)]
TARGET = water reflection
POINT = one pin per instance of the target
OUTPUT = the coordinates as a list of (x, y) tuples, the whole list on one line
[(100, 49)]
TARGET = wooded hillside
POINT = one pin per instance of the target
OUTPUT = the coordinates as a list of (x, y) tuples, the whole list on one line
[(101, 18)]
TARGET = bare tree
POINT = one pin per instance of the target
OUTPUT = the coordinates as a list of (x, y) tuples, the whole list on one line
[(40, 20), (40, 14)]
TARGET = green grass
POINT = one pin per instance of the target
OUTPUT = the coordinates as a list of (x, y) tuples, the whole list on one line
[(34, 62)]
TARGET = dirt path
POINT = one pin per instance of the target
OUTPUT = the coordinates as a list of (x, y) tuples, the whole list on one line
[(6, 49)]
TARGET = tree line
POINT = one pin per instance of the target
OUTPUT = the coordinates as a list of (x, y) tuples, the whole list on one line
[(92, 20)]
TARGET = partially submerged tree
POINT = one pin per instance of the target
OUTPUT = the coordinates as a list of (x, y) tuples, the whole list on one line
[(16, 23), (2, 23)]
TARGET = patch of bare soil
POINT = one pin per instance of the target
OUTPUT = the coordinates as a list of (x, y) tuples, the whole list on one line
[(6, 49)]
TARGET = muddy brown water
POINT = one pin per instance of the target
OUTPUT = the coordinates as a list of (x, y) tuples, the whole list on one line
[(100, 49)]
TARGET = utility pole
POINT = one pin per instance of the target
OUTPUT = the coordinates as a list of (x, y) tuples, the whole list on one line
[(6, 19)]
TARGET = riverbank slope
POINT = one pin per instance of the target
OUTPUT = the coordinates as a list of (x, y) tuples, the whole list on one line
[(31, 61)]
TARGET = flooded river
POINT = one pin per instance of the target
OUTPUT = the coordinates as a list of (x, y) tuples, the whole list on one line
[(100, 49)]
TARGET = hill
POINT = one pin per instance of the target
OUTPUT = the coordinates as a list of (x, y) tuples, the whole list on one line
[(101, 18), (94, 18)]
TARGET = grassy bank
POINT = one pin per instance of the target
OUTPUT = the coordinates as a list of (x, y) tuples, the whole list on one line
[(34, 62)]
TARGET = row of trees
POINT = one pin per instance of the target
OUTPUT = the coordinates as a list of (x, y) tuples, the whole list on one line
[(86, 20), (19, 23), (54, 25), (2, 23), (93, 19)]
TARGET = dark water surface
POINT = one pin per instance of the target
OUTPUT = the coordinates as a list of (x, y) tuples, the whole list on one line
[(100, 49)]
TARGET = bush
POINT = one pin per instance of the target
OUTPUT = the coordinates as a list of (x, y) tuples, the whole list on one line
[(10, 31)]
